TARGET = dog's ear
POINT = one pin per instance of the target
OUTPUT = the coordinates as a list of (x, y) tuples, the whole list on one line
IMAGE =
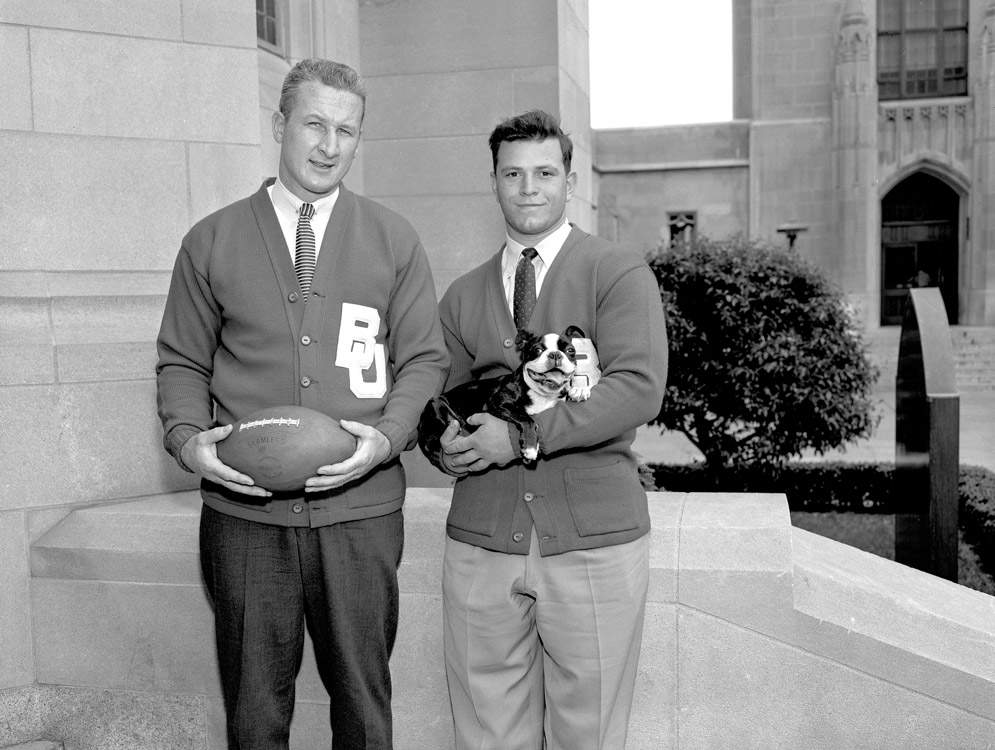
[(525, 339), (574, 332)]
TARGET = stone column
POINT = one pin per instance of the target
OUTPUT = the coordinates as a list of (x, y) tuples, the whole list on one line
[(120, 126), (978, 305), (855, 145), (442, 74)]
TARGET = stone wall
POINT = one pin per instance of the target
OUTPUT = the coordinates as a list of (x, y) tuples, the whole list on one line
[(122, 123), (645, 174), (441, 75), (757, 635)]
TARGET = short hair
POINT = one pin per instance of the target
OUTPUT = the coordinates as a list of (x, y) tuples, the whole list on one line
[(328, 72), (534, 125)]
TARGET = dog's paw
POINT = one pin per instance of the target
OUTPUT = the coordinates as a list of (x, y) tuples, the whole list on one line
[(529, 442), (579, 392)]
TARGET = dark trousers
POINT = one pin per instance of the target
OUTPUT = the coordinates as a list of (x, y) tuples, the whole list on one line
[(266, 582)]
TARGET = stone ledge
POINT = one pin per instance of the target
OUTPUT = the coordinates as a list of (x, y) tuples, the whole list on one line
[(702, 544), (812, 616), (87, 719), (895, 604), (151, 540)]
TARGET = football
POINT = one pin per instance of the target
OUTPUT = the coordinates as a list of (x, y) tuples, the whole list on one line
[(281, 446)]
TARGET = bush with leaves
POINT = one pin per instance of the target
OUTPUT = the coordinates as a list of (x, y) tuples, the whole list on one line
[(765, 358)]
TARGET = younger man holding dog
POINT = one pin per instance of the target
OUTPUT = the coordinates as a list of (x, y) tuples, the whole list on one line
[(546, 565)]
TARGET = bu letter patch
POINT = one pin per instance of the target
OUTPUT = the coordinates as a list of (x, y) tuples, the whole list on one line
[(358, 351)]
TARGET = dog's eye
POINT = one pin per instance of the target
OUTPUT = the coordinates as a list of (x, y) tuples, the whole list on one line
[(570, 351)]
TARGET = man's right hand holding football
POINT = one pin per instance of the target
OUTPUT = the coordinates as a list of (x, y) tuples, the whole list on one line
[(200, 455)]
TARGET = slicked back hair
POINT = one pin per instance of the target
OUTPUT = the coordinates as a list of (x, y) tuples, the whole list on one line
[(534, 125), (328, 72)]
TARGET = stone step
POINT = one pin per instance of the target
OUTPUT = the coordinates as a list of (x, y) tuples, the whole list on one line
[(127, 541), (973, 351), (36, 745)]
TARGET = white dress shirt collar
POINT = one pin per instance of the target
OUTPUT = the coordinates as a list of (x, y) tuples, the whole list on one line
[(284, 200), (287, 205), (547, 248)]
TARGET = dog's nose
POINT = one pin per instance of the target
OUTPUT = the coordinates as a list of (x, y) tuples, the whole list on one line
[(557, 357)]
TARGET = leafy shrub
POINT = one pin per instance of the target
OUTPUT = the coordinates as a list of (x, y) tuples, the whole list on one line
[(977, 509), (813, 487), (765, 360), (845, 487)]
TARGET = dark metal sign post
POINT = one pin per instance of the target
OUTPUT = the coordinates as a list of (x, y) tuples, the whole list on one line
[(927, 439)]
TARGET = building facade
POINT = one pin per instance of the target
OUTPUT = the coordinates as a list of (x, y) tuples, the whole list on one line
[(864, 136), (126, 121)]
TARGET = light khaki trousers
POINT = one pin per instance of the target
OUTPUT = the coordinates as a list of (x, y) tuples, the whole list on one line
[(543, 649)]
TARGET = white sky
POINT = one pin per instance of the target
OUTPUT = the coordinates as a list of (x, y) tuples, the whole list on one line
[(660, 62)]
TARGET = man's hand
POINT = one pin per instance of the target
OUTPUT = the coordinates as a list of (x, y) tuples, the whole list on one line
[(449, 453), (200, 455), (372, 449), (489, 445)]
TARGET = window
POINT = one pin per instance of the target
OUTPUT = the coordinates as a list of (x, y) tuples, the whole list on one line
[(922, 48), (682, 228), (269, 31)]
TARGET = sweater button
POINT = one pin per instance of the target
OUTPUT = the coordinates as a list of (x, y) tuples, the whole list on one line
[(508, 343), (517, 536), (297, 508), (305, 340), (305, 381), (528, 497), (293, 297)]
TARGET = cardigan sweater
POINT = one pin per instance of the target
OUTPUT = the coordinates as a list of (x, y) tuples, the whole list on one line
[(584, 490), (237, 336)]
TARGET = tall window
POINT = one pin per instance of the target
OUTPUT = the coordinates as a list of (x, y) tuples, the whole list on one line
[(922, 48), (682, 228), (268, 30)]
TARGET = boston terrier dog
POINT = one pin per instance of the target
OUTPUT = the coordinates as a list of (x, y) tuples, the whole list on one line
[(548, 373)]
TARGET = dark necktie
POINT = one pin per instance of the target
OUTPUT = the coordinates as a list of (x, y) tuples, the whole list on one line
[(525, 288), (306, 255)]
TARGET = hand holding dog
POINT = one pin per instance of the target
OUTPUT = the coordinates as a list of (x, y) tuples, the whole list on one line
[(488, 445), (445, 442)]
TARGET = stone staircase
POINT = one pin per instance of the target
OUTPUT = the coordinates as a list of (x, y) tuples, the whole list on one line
[(973, 349)]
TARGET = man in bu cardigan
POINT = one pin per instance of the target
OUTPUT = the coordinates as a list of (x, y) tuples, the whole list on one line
[(284, 298), (546, 563)]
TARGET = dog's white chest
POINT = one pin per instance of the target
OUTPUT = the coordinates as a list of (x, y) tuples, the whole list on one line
[(538, 403)]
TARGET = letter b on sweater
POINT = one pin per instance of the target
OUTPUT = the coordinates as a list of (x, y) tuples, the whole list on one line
[(358, 350)]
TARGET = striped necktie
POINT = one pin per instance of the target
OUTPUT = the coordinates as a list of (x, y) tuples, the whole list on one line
[(306, 255), (525, 288)]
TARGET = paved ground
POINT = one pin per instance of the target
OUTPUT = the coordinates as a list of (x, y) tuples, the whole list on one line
[(977, 435)]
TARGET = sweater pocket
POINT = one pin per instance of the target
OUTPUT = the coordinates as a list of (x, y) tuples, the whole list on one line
[(382, 486), (474, 514), (602, 499)]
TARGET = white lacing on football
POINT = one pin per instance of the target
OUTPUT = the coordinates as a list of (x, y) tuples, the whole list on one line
[(279, 422)]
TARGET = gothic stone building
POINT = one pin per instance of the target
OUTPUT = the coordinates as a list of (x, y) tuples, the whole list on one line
[(864, 135)]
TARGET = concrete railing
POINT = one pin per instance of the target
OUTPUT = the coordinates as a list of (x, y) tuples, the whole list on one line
[(757, 635)]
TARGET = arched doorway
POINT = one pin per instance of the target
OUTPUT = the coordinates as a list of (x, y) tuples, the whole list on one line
[(919, 244)]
